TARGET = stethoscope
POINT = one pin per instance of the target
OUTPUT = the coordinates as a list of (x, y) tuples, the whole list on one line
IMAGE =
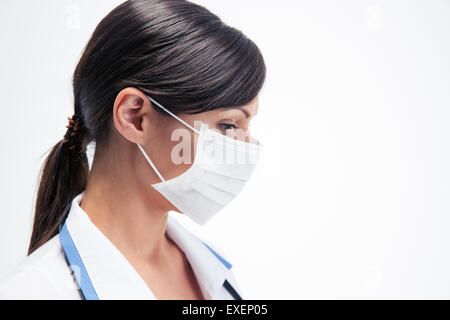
[(82, 277)]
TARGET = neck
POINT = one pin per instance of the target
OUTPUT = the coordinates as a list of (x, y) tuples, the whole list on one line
[(124, 211)]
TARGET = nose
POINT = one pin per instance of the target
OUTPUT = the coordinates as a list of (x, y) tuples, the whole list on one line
[(252, 139)]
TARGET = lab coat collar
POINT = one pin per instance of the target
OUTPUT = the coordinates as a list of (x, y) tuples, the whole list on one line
[(113, 277)]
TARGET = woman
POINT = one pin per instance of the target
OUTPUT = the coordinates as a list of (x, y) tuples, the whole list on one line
[(162, 88)]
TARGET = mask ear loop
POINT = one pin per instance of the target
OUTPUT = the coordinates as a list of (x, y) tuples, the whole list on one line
[(176, 117), (151, 163)]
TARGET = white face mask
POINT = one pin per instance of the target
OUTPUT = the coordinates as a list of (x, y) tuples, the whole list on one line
[(221, 167)]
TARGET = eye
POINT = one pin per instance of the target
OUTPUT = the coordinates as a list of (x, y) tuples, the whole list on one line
[(227, 126)]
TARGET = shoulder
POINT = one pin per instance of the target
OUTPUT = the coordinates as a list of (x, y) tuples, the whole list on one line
[(44, 274)]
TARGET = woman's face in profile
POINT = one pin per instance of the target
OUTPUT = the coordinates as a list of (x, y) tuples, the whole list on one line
[(176, 143), (169, 140)]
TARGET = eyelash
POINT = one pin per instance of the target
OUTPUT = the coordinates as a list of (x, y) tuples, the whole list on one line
[(227, 126)]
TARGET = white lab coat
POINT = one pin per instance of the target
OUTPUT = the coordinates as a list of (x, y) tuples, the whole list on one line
[(45, 274)]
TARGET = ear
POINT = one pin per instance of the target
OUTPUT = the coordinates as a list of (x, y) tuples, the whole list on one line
[(131, 107)]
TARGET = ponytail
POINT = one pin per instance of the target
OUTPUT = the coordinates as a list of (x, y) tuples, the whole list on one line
[(64, 175)]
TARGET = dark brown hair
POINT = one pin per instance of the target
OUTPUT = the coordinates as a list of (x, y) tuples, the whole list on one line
[(175, 51)]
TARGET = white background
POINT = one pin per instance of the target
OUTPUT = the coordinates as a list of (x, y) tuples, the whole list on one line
[(352, 196)]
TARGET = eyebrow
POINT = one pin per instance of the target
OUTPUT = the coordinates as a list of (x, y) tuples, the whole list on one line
[(247, 115)]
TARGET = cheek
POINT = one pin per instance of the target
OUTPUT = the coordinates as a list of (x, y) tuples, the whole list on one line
[(176, 146), (176, 152)]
